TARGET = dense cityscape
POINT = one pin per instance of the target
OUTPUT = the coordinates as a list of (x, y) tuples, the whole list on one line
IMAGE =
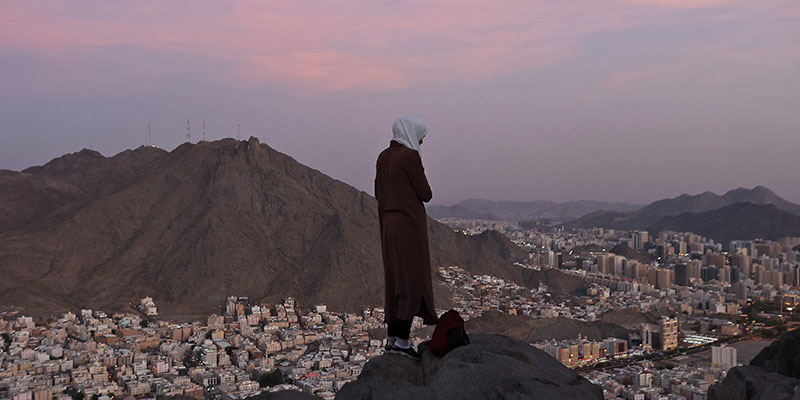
[(249, 200), (691, 299)]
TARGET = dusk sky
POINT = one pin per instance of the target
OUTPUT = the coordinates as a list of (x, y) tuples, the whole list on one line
[(621, 100)]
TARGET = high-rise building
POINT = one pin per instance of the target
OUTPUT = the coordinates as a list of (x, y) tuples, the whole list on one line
[(714, 259), (639, 239), (724, 356), (748, 247), (695, 267), (669, 333), (724, 274), (551, 259), (736, 274), (709, 273), (641, 271), (771, 249), (603, 263), (616, 265), (682, 275), (647, 336), (758, 274), (664, 278), (740, 289), (744, 262), (795, 273), (644, 379)]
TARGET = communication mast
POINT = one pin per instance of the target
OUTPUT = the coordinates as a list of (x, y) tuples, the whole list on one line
[(238, 132), (188, 132), (149, 135), (204, 130)]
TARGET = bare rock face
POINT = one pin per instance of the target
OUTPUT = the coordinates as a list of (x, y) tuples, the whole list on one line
[(492, 367)]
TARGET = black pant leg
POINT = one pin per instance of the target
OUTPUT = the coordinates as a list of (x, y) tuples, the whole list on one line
[(399, 328)]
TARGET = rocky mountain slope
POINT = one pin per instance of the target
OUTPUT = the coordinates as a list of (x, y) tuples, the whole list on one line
[(491, 367), (199, 223)]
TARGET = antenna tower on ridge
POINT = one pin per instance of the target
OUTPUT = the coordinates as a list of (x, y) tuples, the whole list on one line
[(204, 130), (188, 131), (238, 132), (149, 136)]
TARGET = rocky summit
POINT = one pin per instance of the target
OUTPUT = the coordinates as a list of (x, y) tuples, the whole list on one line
[(491, 367)]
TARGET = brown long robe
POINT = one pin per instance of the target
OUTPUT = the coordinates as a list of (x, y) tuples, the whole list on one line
[(401, 187)]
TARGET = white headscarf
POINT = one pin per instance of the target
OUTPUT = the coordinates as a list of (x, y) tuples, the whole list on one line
[(408, 131)]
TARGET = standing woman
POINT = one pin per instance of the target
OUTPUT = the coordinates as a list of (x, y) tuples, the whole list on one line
[(401, 188)]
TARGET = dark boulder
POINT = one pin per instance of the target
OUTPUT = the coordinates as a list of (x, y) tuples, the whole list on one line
[(492, 367), (782, 356), (754, 383)]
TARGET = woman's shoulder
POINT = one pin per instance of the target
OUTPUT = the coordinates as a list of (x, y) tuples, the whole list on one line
[(407, 153), (399, 153)]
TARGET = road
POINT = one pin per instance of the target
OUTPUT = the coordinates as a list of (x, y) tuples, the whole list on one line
[(657, 356)]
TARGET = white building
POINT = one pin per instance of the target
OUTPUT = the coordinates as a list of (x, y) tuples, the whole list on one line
[(723, 356)]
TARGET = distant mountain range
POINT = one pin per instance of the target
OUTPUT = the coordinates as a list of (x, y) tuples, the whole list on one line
[(738, 214), (525, 210), (204, 221)]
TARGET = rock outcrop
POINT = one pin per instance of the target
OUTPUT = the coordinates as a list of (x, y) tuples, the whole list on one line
[(773, 374), (782, 356), (748, 382), (492, 367)]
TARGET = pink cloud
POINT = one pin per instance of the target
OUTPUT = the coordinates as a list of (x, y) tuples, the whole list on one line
[(360, 44), (326, 71), (683, 3)]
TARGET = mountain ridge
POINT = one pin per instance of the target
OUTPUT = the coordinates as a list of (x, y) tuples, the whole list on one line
[(524, 210), (204, 221), (687, 213)]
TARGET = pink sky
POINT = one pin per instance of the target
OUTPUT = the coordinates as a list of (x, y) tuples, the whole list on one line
[(380, 57)]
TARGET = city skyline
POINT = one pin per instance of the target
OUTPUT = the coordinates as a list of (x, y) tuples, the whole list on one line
[(628, 100)]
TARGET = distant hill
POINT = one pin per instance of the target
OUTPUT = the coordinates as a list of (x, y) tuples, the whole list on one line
[(204, 221), (629, 318), (631, 254), (709, 201), (538, 329), (524, 210), (661, 213), (743, 221)]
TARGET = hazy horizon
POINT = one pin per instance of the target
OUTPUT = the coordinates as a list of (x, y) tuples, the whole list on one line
[(434, 202), (625, 100)]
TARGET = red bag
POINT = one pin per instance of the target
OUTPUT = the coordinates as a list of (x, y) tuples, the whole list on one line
[(448, 334)]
